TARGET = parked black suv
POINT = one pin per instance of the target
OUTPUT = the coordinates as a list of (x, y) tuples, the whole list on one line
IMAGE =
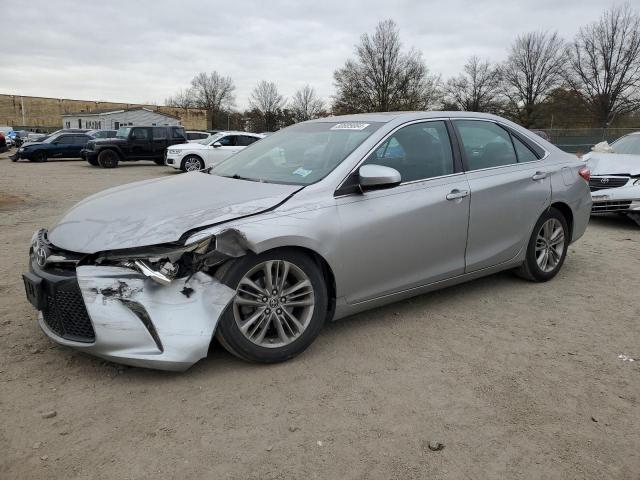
[(133, 143)]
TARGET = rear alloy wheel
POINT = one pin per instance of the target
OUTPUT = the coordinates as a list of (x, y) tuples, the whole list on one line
[(192, 163), (279, 307), (547, 247), (108, 159)]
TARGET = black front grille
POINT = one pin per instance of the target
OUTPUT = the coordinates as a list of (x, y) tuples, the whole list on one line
[(66, 315), (610, 206), (601, 183)]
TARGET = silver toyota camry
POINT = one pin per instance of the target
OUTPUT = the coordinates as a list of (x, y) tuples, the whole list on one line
[(319, 221)]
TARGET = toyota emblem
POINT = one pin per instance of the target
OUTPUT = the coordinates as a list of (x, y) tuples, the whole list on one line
[(604, 180), (41, 256)]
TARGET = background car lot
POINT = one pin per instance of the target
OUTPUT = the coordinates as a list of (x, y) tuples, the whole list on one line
[(510, 377)]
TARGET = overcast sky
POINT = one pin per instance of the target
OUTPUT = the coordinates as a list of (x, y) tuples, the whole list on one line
[(135, 51)]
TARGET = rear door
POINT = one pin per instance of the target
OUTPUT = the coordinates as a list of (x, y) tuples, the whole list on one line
[(79, 142), (510, 189), (412, 234), (159, 140), (140, 141)]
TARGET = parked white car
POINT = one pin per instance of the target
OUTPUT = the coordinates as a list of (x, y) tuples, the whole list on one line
[(615, 176), (210, 151)]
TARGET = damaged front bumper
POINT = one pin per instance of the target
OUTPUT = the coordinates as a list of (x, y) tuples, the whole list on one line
[(616, 200), (119, 314)]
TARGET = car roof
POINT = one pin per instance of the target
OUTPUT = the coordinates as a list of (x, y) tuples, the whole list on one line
[(385, 117), (237, 132)]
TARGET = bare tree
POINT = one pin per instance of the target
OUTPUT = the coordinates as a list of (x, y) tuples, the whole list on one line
[(475, 90), (212, 92), (535, 67), (382, 77), (183, 99), (266, 100), (306, 105), (605, 64)]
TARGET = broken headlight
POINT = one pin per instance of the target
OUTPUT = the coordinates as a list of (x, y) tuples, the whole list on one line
[(162, 263)]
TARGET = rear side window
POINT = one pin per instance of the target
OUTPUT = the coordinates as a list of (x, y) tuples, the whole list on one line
[(159, 133), (178, 133), (245, 140), (524, 153), (196, 135), (485, 144), (418, 151)]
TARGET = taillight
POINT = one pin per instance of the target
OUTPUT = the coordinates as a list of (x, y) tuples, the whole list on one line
[(585, 173)]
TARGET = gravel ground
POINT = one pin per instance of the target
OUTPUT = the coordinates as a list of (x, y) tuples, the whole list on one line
[(516, 380)]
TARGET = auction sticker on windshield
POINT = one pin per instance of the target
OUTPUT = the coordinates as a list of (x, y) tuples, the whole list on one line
[(350, 126), (302, 172)]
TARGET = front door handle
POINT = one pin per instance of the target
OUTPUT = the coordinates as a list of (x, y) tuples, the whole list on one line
[(455, 194), (540, 176)]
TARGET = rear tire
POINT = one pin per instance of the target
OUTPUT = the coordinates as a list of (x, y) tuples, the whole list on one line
[(278, 328), (547, 248), (108, 159)]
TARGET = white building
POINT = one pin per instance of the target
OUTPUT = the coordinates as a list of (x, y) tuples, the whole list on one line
[(110, 119)]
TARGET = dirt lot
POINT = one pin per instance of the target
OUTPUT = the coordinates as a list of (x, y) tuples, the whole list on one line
[(517, 380)]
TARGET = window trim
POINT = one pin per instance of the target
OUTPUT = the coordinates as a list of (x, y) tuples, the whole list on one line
[(510, 132), (344, 190)]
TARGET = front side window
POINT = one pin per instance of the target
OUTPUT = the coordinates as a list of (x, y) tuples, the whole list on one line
[(245, 140), (228, 141), (140, 134), (485, 144), (65, 140), (123, 132), (301, 154), (418, 151)]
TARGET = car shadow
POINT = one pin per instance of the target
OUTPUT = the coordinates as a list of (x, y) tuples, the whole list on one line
[(614, 221)]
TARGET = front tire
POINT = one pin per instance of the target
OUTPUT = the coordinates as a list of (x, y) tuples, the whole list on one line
[(40, 157), (279, 308), (192, 163), (108, 159), (547, 248)]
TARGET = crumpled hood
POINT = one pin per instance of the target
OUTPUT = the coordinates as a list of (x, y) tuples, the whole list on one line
[(612, 163), (160, 210)]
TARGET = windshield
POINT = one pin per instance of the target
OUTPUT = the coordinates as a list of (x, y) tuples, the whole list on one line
[(298, 155), (210, 140), (123, 132), (50, 138), (629, 144)]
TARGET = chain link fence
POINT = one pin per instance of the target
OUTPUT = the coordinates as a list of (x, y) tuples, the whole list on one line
[(580, 140)]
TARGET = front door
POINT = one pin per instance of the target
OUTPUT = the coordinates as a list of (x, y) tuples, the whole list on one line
[(228, 145), (509, 191), (412, 234)]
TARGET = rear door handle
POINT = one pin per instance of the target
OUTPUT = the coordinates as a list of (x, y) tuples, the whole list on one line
[(456, 194), (540, 176)]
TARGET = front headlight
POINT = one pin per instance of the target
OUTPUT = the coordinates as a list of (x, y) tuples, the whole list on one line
[(163, 263), (637, 182), (174, 152), (21, 150)]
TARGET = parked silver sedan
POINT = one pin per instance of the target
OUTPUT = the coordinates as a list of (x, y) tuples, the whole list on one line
[(319, 221)]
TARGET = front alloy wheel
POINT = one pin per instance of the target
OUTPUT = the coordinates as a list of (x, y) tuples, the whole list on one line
[(192, 164), (273, 304), (279, 307)]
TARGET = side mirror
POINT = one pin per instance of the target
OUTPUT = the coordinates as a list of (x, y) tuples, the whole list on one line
[(216, 145), (376, 177)]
